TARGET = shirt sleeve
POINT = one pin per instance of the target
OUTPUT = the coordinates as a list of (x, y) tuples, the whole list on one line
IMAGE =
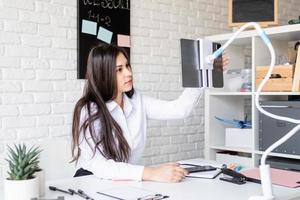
[(176, 109), (106, 168)]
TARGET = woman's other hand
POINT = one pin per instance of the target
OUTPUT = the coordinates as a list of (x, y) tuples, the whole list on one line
[(225, 61), (222, 62), (169, 172)]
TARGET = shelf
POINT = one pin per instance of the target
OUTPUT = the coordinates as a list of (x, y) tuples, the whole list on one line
[(220, 147), (247, 50), (230, 93), (288, 33), (221, 93), (278, 93), (279, 155), (242, 39)]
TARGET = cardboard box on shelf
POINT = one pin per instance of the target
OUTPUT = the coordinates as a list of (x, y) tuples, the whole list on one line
[(276, 85), (281, 78)]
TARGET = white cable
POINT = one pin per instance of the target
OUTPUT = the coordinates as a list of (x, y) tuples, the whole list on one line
[(264, 169)]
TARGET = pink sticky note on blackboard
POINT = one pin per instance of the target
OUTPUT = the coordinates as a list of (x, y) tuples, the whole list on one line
[(123, 40)]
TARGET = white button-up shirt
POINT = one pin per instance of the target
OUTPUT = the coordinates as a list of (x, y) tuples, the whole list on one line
[(133, 121)]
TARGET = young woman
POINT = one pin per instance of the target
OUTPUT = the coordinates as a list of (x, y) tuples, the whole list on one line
[(110, 121)]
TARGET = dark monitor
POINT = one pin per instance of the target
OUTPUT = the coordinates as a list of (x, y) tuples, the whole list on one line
[(217, 72), (190, 62)]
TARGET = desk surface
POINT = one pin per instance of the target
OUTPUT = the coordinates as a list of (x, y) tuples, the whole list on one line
[(190, 189)]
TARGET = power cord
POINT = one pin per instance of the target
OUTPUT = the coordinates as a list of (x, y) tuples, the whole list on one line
[(264, 168)]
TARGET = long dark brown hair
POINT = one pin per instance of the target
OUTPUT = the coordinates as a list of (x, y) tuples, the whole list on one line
[(101, 87)]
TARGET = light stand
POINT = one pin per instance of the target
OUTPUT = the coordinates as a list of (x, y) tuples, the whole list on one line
[(264, 168)]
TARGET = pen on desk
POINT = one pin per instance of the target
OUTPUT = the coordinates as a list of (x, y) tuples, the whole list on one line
[(60, 190), (83, 193), (165, 197), (110, 196)]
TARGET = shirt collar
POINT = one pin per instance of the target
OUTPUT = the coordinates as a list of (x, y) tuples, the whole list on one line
[(111, 105), (127, 105)]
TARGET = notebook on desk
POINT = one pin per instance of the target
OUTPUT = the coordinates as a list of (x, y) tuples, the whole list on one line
[(281, 177), (205, 174)]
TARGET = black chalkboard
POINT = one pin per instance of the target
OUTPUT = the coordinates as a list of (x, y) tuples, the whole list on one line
[(101, 21), (242, 11)]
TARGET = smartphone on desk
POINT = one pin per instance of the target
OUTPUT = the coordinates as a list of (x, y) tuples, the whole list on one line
[(197, 168)]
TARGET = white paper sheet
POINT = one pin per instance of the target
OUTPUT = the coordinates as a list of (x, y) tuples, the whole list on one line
[(124, 193), (208, 174)]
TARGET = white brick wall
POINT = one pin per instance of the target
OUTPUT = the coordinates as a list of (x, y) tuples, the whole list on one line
[(38, 86)]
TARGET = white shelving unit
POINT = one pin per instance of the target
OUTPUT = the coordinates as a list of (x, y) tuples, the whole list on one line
[(230, 104)]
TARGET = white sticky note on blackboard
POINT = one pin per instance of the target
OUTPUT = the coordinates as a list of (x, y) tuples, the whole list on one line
[(104, 35), (123, 40), (89, 27)]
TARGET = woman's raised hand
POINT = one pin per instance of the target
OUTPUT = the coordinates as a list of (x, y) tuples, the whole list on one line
[(222, 61)]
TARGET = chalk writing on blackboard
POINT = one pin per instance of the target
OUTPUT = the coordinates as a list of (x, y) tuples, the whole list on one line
[(96, 16), (101, 21), (110, 4)]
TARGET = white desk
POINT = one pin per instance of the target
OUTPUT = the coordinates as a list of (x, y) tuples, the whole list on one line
[(189, 189)]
